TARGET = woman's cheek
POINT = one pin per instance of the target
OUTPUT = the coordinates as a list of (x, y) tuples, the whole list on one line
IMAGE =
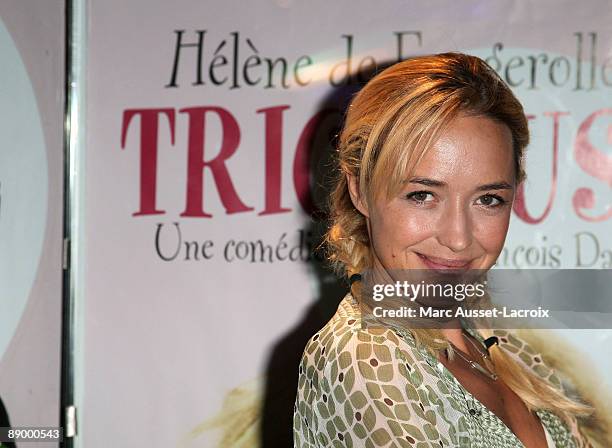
[(491, 231), (422, 221), (412, 228)]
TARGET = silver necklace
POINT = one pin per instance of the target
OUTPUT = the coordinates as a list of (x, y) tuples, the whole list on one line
[(473, 364)]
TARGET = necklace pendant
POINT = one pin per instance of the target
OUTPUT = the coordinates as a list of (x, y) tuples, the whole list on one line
[(482, 370)]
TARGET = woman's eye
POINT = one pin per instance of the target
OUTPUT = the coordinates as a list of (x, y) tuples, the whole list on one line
[(420, 196), (491, 200)]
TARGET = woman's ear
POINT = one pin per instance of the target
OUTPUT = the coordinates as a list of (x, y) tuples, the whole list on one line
[(356, 196)]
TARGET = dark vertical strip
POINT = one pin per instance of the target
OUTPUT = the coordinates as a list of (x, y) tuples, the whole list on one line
[(67, 362)]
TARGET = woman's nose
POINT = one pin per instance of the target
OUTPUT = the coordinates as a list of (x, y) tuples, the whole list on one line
[(454, 227)]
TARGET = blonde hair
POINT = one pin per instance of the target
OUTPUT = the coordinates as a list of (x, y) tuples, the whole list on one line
[(390, 125)]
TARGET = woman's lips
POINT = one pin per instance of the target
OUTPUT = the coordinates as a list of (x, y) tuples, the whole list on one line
[(444, 263)]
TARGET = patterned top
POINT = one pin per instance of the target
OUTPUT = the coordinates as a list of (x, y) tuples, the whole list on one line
[(375, 387)]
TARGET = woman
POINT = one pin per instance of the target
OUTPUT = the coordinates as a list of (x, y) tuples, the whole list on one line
[(430, 158)]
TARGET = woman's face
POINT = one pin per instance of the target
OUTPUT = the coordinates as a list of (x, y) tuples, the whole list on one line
[(453, 211)]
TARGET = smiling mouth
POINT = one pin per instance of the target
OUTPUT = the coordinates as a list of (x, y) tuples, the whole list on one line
[(444, 263)]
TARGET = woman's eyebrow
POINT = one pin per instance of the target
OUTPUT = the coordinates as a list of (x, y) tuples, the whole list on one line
[(426, 181), (495, 186), (502, 185)]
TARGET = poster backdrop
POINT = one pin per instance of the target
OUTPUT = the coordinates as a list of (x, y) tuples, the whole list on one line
[(31, 210), (209, 126)]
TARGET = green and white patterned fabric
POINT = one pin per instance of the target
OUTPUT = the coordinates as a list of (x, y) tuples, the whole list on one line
[(374, 387)]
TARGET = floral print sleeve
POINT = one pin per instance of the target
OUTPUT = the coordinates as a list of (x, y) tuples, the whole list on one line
[(362, 388)]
